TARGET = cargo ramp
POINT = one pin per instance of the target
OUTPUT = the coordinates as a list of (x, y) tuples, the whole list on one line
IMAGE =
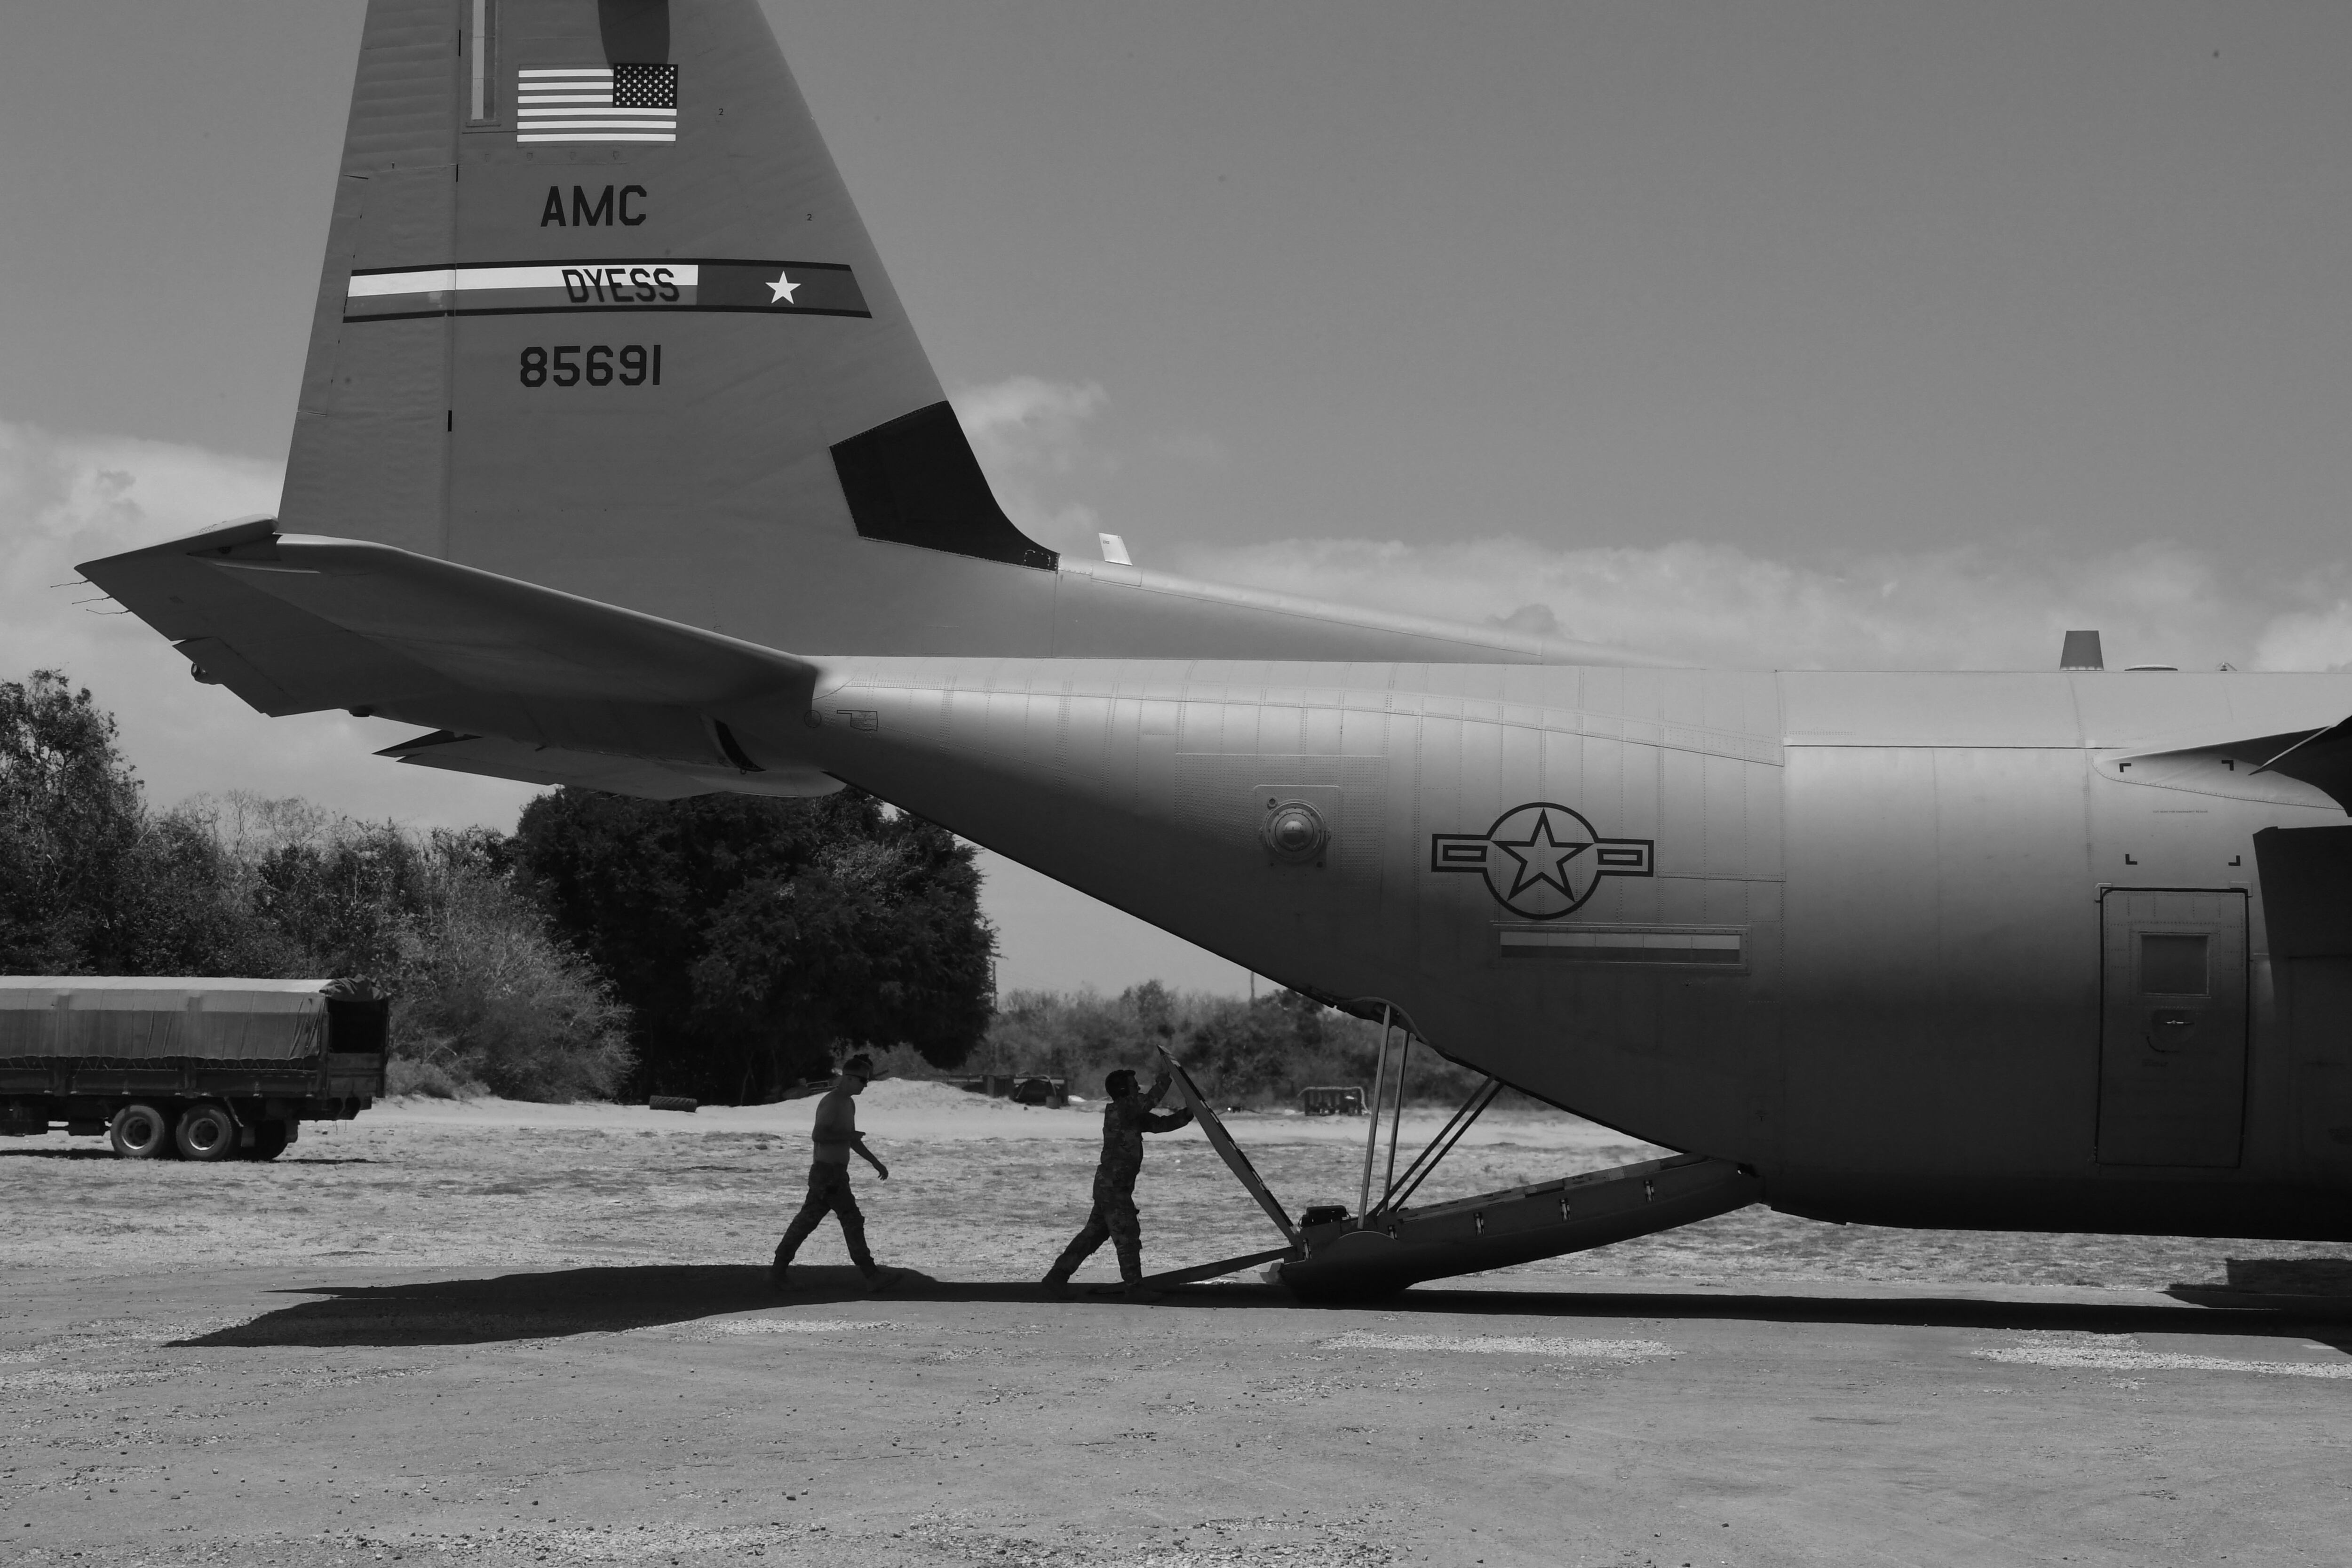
[(1388, 1245)]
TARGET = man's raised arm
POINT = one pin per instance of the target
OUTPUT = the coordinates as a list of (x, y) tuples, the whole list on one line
[(1162, 1120), (1166, 1121)]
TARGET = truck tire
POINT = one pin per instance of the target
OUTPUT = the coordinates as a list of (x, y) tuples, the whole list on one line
[(140, 1132), (207, 1131), (269, 1141)]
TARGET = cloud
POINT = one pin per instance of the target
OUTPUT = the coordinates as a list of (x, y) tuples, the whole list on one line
[(1046, 449), (2315, 639), (1972, 608), (65, 498), (1029, 433), (1027, 422)]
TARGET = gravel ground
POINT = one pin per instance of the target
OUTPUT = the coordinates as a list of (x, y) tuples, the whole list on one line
[(502, 1336)]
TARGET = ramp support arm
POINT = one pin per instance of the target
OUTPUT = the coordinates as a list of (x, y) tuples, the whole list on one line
[(1396, 1116), (1439, 1147), (1372, 1120)]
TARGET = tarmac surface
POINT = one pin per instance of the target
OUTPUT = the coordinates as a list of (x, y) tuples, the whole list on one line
[(498, 1334)]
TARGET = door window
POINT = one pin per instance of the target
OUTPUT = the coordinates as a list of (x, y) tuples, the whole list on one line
[(2172, 964)]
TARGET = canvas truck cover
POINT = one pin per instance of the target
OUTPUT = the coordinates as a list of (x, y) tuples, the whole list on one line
[(162, 1018)]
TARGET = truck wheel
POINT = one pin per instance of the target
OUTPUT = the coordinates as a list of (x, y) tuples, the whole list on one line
[(207, 1131), (140, 1132), (268, 1141)]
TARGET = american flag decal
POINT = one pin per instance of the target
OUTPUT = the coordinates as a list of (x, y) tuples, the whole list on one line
[(596, 103)]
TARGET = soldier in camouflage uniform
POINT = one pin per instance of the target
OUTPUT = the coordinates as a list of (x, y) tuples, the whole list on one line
[(1126, 1119)]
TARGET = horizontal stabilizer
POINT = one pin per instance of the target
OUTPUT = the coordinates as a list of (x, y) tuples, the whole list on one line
[(297, 624), (492, 756)]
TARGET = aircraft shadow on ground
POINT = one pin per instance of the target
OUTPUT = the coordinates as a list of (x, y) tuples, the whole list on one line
[(560, 1302)]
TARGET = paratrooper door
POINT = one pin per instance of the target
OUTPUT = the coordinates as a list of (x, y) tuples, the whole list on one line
[(2172, 1056)]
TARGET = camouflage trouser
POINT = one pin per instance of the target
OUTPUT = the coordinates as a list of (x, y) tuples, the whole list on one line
[(1114, 1219), (828, 1193)]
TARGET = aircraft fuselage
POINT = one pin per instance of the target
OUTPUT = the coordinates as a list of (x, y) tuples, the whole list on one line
[(1882, 936)]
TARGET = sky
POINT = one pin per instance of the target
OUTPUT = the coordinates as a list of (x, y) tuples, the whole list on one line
[(1897, 335)]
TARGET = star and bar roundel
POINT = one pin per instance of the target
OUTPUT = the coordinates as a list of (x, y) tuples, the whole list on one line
[(1541, 860)]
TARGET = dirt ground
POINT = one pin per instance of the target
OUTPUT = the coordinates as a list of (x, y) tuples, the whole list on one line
[(499, 1333)]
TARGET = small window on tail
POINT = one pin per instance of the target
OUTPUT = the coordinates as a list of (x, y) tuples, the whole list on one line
[(2173, 966)]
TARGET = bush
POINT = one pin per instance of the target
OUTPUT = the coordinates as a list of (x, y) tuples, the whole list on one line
[(409, 1074), (494, 998)]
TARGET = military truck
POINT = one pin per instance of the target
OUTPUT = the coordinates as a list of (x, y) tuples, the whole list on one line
[(193, 1068)]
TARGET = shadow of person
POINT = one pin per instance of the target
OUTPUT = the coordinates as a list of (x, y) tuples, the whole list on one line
[(559, 1302)]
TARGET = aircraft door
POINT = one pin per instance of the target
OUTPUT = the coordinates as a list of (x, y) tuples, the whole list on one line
[(2172, 1051)]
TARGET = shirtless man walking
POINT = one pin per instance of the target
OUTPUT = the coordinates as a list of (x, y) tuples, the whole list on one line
[(836, 1136)]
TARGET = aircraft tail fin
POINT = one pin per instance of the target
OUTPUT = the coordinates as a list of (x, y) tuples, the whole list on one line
[(597, 311)]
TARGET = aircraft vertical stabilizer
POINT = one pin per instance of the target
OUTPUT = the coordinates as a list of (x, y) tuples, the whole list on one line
[(597, 313)]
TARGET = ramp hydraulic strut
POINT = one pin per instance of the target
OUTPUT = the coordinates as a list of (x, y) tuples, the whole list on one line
[(1387, 1245)]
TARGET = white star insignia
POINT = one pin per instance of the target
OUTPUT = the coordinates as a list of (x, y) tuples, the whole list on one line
[(1542, 859), (781, 290)]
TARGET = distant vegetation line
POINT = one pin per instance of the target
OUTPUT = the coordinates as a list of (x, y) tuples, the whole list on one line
[(1257, 1053)]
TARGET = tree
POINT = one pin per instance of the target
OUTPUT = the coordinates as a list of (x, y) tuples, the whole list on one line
[(70, 819), (181, 912), (750, 938)]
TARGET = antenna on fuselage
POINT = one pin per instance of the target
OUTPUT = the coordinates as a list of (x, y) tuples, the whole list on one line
[(2082, 652)]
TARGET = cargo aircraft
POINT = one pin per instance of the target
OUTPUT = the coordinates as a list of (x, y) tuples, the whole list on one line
[(618, 465)]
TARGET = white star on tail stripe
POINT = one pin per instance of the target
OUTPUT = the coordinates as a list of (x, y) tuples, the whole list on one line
[(782, 289), (1542, 857)]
